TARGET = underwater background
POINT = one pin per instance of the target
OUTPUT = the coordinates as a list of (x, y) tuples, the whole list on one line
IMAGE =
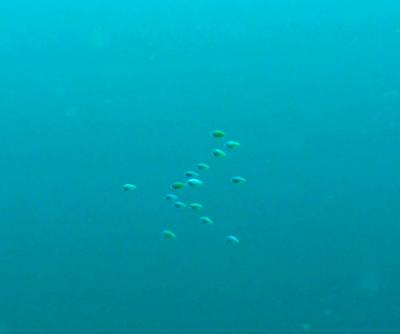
[(96, 94)]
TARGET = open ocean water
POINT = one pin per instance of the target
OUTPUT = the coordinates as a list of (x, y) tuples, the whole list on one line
[(97, 94)]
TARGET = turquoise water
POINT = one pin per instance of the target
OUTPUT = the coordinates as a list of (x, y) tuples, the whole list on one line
[(98, 94)]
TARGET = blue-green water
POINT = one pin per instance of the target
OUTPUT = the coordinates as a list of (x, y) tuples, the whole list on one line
[(97, 94)]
